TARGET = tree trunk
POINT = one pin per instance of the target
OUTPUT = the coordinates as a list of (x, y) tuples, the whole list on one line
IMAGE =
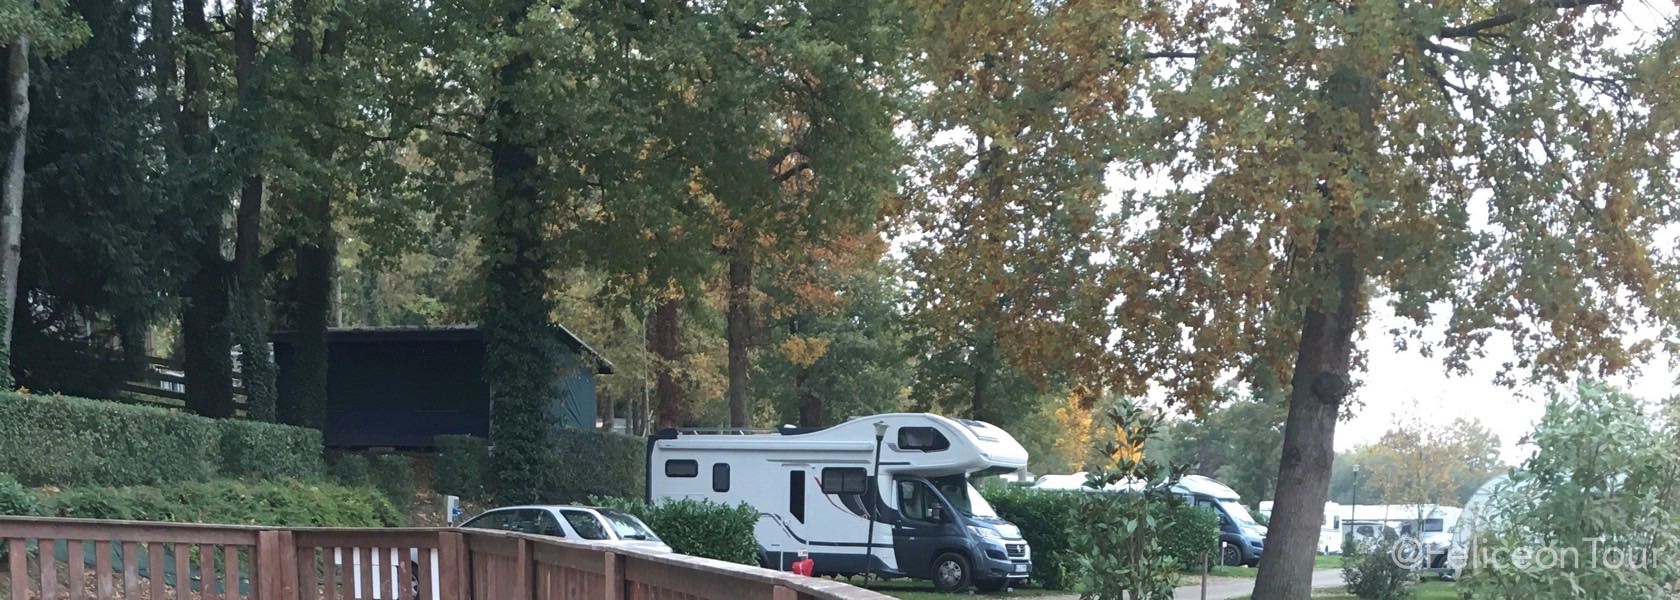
[(984, 355), (1322, 380), (662, 338), (740, 335), (11, 215), (1323, 364), (205, 327), (810, 403), (256, 360)]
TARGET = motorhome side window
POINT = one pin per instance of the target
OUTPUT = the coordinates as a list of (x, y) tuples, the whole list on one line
[(796, 495), (682, 468), (720, 477), (838, 480), (926, 439)]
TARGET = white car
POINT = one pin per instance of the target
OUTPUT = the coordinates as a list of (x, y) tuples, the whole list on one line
[(600, 525)]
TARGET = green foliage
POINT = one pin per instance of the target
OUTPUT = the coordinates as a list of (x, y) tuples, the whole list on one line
[(581, 464), (1238, 442), (69, 441), (48, 25), (1119, 543), (266, 450), (1188, 533), (460, 466), (1047, 520), (1603, 486), (393, 475), (697, 527), (349, 469), (17, 500), (1372, 573), (280, 503)]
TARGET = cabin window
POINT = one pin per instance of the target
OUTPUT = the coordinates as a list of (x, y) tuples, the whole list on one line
[(926, 439), (847, 480), (720, 477), (796, 495), (682, 468)]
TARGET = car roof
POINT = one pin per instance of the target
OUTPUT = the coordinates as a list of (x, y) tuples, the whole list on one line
[(541, 507)]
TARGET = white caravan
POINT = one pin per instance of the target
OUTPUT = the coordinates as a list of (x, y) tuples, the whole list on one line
[(813, 494), (1329, 526)]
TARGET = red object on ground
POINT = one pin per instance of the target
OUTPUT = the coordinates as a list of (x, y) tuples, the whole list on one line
[(804, 566)]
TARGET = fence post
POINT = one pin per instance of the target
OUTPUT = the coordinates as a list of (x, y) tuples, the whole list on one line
[(524, 583), (270, 565), (1204, 574), (454, 567), (612, 575)]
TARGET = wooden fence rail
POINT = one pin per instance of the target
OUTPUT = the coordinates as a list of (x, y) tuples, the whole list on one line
[(76, 559)]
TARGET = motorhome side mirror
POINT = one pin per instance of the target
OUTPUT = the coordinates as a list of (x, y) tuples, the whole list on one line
[(936, 513)]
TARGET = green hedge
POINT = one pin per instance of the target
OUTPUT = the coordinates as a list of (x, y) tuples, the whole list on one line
[(68, 441), (15, 500), (697, 527), (350, 470), (585, 463), (269, 451), (1045, 519), (393, 475), (278, 503), (1188, 533), (461, 464)]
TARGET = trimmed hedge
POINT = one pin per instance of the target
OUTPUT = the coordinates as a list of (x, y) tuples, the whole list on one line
[(697, 527), (585, 463), (269, 451), (350, 470), (1188, 533), (278, 503), (1045, 518), (67, 441), (461, 464)]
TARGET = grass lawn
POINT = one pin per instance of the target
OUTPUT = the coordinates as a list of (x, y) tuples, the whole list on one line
[(910, 589), (1327, 561), (1432, 590)]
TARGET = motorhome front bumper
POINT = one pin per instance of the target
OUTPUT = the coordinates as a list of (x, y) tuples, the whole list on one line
[(1006, 559)]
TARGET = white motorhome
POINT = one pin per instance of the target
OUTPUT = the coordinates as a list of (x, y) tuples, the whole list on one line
[(813, 493)]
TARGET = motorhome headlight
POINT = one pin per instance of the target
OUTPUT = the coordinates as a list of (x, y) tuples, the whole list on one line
[(1009, 532), (985, 532)]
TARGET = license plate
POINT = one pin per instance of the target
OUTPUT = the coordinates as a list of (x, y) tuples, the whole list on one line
[(1020, 568)]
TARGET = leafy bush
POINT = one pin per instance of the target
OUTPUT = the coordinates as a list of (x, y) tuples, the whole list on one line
[(1117, 544), (68, 441), (1188, 533), (697, 527), (1372, 573), (278, 503), (268, 451), (349, 470), (16, 500), (585, 463), (461, 463), (1046, 519), (1600, 496), (393, 475)]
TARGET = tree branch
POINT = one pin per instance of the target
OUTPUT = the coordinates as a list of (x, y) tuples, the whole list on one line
[(1476, 28)]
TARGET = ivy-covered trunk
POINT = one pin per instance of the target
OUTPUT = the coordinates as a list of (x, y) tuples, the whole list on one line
[(663, 340), (11, 215), (740, 334), (256, 361), (521, 352), (206, 332)]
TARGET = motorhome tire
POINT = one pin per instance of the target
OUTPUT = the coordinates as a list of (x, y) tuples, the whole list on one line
[(1230, 555), (951, 572)]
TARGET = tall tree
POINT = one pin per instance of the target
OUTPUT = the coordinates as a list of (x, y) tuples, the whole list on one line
[(206, 326), (41, 24), (1504, 165), (256, 363)]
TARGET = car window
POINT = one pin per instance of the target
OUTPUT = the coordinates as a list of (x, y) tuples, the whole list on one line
[(917, 501), (491, 520), (542, 522), (627, 526), (586, 525)]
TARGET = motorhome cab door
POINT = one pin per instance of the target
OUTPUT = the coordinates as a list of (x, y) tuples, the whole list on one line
[(926, 526)]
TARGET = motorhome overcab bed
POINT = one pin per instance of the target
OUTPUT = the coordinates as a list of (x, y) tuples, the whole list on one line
[(813, 493)]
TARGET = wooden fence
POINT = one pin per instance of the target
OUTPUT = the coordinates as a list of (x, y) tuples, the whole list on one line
[(53, 559)]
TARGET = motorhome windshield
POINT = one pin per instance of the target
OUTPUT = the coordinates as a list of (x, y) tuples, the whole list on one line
[(1238, 512), (963, 496)]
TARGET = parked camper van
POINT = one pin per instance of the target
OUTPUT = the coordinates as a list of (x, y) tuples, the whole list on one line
[(1241, 538), (1329, 526), (814, 493)]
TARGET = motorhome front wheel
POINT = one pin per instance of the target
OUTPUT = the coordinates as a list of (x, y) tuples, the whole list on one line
[(1230, 555), (950, 572)]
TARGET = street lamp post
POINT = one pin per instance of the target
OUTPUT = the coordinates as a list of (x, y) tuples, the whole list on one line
[(875, 503), (1354, 513)]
